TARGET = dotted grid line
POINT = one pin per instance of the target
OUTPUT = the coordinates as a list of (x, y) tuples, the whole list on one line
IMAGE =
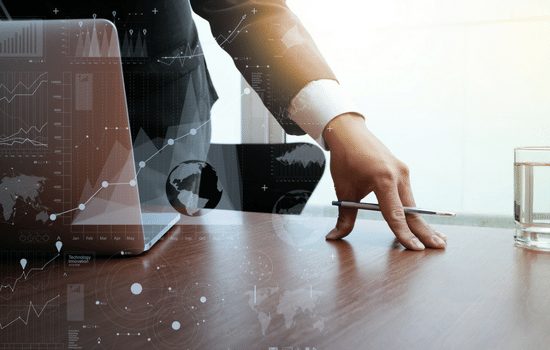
[(133, 182)]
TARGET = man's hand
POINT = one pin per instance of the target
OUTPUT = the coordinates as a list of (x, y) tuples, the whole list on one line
[(360, 164)]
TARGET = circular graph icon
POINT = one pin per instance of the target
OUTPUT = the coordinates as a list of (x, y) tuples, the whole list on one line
[(129, 291), (255, 267), (175, 327), (204, 298)]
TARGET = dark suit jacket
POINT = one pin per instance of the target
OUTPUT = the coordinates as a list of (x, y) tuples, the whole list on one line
[(268, 43)]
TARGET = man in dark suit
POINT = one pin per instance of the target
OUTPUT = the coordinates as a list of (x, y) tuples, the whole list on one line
[(169, 90)]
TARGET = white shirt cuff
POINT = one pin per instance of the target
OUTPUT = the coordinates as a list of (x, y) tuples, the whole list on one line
[(317, 104)]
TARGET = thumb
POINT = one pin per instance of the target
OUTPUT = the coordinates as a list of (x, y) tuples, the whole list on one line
[(344, 224)]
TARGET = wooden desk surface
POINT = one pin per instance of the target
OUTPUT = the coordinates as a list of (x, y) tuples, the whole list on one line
[(273, 281)]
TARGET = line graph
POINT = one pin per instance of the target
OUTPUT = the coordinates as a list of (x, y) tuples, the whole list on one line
[(132, 182), (184, 55), (31, 307), (24, 275), (189, 52), (22, 89), (21, 141), (18, 138), (24, 112)]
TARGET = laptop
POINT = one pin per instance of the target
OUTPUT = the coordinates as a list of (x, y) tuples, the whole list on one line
[(67, 167)]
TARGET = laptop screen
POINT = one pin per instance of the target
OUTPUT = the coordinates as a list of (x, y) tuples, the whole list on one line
[(67, 166)]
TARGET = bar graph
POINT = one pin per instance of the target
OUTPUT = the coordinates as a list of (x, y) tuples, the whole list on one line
[(25, 40)]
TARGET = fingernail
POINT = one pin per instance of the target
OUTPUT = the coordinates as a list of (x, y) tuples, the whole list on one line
[(442, 235), (331, 234), (417, 243), (438, 240)]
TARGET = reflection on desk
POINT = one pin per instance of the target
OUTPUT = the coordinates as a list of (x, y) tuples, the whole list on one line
[(265, 281)]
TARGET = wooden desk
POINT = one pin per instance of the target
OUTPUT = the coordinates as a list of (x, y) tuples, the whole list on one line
[(255, 285)]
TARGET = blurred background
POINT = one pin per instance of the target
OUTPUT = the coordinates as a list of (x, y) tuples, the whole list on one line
[(451, 87)]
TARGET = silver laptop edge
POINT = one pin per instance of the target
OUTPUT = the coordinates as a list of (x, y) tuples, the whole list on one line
[(167, 220), (154, 225)]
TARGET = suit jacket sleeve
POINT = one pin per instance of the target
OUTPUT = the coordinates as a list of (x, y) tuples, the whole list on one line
[(270, 47)]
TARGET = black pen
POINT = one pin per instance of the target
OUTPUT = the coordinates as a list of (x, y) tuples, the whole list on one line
[(376, 207)]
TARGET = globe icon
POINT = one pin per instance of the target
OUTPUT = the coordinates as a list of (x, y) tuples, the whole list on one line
[(292, 202), (193, 185), (295, 230)]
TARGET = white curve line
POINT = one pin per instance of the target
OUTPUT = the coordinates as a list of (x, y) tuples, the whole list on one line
[(25, 275), (156, 153), (229, 39), (134, 180), (181, 57), (23, 141), (9, 100), (163, 147), (91, 197), (233, 31), (39, 130), (21, 83), (31, 306)]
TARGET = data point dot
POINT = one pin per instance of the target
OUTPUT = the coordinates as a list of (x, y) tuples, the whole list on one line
[(53, 217), (132, 183), (136, 288), (170, 142), (81, 206), (193, 131), (104, 184), (142, 164)]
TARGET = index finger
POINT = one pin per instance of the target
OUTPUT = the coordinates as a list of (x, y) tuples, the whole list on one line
[(392, 210)]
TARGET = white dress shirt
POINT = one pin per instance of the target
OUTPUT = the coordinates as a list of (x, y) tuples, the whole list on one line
[(317, 104)]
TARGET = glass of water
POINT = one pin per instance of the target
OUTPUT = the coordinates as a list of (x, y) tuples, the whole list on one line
[(532, 197)]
